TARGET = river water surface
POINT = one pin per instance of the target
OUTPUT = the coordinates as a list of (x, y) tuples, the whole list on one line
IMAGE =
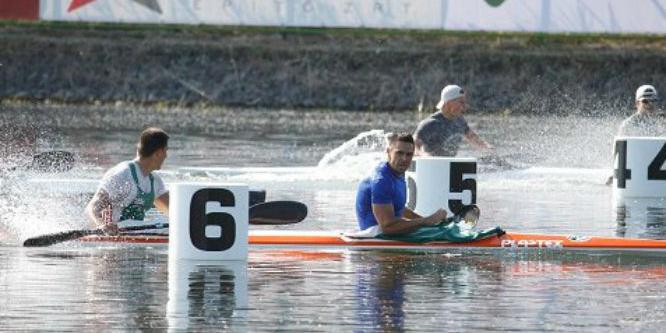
[(550, 181)]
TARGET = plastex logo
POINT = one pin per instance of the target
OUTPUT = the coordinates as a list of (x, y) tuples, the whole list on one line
[(538, 243)]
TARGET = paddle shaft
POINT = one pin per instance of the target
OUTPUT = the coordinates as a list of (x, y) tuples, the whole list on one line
[(274, 212), (64, 236)]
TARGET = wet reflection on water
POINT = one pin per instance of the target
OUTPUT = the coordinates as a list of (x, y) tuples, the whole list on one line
[(301, 290), (464, 291), (557, 187), (380, 290), (641, 218), (71, 290), (204, 292)]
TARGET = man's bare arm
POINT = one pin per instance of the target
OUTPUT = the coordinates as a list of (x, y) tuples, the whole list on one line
[(410, 214), (419, 149), (477, 141), (100, 201), (391, 224), (162, 203)]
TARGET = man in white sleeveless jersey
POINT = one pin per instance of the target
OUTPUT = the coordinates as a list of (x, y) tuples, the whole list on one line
[(131, 188)]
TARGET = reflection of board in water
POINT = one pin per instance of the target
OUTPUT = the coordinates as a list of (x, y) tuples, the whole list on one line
[(641, 218)]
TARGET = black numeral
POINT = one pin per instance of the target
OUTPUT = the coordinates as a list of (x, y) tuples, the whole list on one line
[(621, 174), (457, 184), (199, 220), (654, 170)]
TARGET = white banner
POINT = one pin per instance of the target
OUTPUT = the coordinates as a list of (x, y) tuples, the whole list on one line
[(605, 16)]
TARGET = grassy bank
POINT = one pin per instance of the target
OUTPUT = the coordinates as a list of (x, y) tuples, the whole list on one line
[(207, 31), (355, 69)]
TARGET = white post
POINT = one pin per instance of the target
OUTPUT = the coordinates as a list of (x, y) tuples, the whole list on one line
[(442, 182), (638, 167)]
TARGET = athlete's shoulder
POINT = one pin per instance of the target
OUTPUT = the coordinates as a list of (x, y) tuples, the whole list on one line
[(462, 122), (380, 172), (118, 169), (432, 117), (432, 121), (435, 117)]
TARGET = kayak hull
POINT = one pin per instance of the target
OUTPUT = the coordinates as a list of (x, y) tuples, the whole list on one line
[(337, 240)]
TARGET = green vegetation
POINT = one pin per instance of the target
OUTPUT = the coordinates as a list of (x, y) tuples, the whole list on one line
[(520, 38), (324, 68)]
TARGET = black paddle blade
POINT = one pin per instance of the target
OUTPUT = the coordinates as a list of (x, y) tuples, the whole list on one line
[(53, 161), (64, 236), (257, 197), (278, 212)]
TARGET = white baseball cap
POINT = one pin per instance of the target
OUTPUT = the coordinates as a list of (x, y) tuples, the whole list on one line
[(646, 92), (450, 93)]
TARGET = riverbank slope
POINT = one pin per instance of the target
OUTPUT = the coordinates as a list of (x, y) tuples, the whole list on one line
[(347, 69)]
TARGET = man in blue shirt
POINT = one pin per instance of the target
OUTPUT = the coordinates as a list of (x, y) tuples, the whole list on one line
[(381, 198)]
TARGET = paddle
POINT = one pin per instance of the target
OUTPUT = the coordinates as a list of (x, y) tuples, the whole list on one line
[(64, 236), (257, 197), (267, 213), (52, 161), (278, 212)]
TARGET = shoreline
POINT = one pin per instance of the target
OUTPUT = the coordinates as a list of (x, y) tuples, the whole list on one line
[(318, 68)]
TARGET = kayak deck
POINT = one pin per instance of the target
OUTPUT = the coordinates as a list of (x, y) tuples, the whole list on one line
[(332, 239)]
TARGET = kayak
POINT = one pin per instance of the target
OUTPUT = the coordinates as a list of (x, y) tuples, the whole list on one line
[(339, 240)]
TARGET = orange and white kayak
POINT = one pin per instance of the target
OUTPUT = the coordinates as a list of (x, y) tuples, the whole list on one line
[(338, 240)]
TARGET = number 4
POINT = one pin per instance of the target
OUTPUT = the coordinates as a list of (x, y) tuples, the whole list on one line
[(621, 174), (654, 170)]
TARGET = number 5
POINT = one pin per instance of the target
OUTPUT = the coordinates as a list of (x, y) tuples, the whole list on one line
[(458, 185)]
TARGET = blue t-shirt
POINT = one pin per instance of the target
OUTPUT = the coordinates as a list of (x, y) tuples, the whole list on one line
[(382, 187)]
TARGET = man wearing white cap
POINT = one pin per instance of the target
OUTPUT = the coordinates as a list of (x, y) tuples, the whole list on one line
[(647, 120), (441, 133)]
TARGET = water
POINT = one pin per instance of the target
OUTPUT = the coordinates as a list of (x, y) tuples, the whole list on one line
[(556, 187)]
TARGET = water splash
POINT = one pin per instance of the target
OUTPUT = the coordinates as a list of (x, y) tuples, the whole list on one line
[(346, 163), (372, 141), (28, 210)]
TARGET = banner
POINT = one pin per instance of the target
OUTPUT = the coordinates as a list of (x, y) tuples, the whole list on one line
[(19, 9), (602, 16)]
